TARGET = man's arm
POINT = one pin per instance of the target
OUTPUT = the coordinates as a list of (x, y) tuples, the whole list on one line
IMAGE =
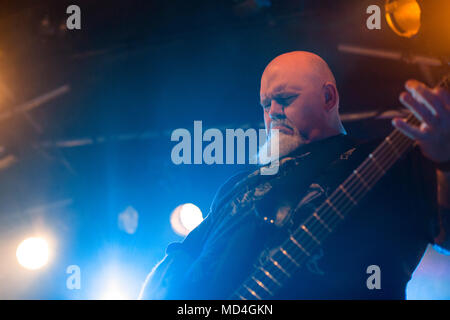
[(432, 107), (443, 238), (167, 273), (164, 279)]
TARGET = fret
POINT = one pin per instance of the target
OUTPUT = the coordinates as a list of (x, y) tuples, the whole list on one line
[(313, 223), (360, 178), (238, 295), (259, 283), (321, 222), (253, 293), (280, 267), (289, 257), (304, 228), (315, 215), (269, 275), (331, 205), (374, 160), (299, 245), (347, 194), (393, 148)]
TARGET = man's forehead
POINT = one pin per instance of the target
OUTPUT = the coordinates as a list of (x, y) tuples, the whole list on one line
[(275, 88), (276, 78)]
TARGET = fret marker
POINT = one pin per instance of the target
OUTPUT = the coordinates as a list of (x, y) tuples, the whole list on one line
[(280, 267), (322, 222), (330, 204), (289, 256), (304, 228), (269, 276), (252, 292), (299, 245), (356, 172), (374, 160), (389, 141), (347, 194), (262, 285)]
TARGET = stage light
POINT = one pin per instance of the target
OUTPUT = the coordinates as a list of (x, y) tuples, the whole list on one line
[(190, 216), (128, 220), (185, 218), (113, 292), (112, 277), (403, 16), (32, 253)]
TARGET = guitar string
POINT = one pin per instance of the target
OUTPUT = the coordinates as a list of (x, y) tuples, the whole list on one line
[(370, 177), (358, 181), (363, 172), (404, 144), (341, 200), (268, 267), (367, 175)]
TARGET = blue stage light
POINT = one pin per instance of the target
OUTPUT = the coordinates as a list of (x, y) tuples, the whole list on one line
[(185, 218)]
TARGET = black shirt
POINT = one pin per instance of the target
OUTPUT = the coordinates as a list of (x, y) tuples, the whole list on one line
[(390, 228)]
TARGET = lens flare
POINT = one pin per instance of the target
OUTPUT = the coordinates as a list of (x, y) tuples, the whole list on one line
[(185, 218), (403, 16), (32, 253)]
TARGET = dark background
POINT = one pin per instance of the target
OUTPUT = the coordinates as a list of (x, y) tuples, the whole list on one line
[(137, 70)]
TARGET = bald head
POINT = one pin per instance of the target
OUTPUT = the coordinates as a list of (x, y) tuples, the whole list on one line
[(299, 96), (299, 64)]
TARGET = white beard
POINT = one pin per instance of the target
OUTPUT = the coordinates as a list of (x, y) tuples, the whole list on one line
[(285, 143)]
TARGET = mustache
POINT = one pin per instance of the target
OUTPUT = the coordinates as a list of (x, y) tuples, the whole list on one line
[(282, 123)]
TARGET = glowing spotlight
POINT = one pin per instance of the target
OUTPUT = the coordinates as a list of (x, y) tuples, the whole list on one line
[(113, 292), (185, 218), (32, 253), (403, 16), (190, 216), (114, 280)]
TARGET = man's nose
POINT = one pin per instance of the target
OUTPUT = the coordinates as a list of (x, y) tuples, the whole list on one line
[(276, 111)]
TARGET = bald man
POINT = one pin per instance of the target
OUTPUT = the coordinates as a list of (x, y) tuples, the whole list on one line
[(303, 81), (252, 214)]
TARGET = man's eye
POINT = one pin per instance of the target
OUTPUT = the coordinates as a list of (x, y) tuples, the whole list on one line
[(287, 100), (284, 101)]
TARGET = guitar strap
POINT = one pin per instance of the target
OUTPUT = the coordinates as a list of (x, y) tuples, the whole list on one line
[(273, 198)]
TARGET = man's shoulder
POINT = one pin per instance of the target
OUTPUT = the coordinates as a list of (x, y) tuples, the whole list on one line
[(228, 185)]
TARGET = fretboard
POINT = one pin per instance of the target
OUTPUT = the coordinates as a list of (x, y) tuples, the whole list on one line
[(270, 276)]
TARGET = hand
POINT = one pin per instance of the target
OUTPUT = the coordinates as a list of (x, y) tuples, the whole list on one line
[(432, 108)]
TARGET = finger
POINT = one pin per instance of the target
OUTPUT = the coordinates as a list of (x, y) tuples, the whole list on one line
[(426, 96), (445, 96), (420, 111), (412, 132)]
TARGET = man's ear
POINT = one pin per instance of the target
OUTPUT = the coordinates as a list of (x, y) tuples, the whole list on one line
[(331, 96)]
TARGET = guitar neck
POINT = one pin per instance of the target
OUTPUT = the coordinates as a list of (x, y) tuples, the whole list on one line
[(269, 277)]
